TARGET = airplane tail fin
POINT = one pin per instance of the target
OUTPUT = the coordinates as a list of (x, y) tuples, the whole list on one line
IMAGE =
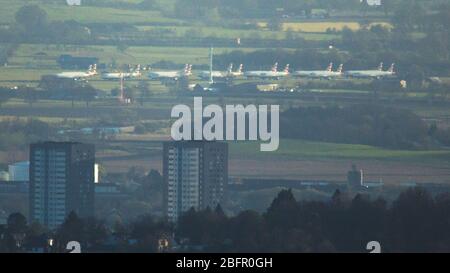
[(330, 67), (189, 69), (138, 70), (340, 69), (230, 68), (380, 67), (241, 67), (286, 69), (391, 69), (275, 67), (92, 69)]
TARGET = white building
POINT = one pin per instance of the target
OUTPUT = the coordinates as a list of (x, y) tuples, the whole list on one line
[(96, 173), (19, 171)]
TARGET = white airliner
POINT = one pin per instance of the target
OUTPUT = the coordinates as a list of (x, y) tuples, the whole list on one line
[(238, 73), (221, 74), (171, 75), (272, 74), (92, 71), (136, 73), (379, 73), (328, 73)]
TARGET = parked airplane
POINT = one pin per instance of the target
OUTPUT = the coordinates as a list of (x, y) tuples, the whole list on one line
[(136, 73), (379, 73), (171, 75), (92, 71), (222, 74), (238, 73), (206, 74), (328, 73), (272, 74)]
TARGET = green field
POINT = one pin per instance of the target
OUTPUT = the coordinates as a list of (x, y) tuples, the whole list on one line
[(301, 149), (31, 61), (59, 11), (25, 55), (209, 31), (85, 14)]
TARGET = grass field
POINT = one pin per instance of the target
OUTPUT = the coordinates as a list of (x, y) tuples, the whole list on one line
[(321, 150), (26, 66), (26, 54), (237, 33), (324, 26), (85, 14)]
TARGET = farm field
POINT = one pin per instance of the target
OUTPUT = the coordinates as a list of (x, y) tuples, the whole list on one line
[(203, 31), (85, 14), (309, 161), (324, 26), (26, 54), (306, 149)]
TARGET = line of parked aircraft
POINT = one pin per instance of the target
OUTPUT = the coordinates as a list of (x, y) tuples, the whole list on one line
[(273, 74)]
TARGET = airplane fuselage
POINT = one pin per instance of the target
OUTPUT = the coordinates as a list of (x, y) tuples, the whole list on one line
[(317, 74), (369, 74), (166, 75), (74, 75), (265, 74), (118, 75)]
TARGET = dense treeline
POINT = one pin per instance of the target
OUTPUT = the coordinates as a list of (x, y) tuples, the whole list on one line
[(262, 8), (361, 124), (414, 222), (32, 25), (419, 43), (195, 9), (364, 49), (6, 51), (17, 133)]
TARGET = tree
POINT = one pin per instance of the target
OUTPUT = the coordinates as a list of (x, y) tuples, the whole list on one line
[(122, 47), (181, 85), (96, 232), (275, 25), (412, 221), (282, 212), (87, 93), (17, 223), (30, 95), (130, 93), (145, 92), (16, 232), (4, 96), (248, 232), (71, 230), (33, 19), (148, 231), (147, 4)]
